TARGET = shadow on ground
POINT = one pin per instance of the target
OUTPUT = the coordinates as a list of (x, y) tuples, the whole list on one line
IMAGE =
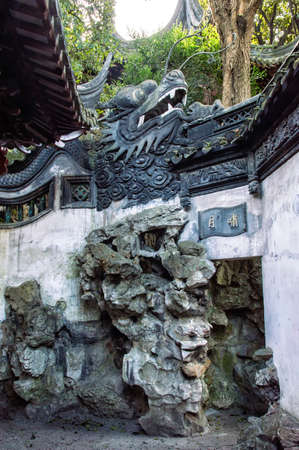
[(67, 432)]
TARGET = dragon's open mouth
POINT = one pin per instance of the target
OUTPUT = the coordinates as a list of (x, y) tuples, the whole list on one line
[(172, 100)]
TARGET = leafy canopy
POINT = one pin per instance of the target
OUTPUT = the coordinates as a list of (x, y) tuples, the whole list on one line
[(277, 22), (89, 33), (148, 57), (88, 28)]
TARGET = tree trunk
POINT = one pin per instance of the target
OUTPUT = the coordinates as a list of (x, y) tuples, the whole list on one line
[(235, 18)]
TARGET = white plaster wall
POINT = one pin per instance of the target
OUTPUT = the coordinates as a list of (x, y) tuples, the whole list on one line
[(245, 245), (46, 250), (4, 246), (281, 277)]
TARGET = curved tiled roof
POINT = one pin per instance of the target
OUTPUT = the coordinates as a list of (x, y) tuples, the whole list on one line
[(189, 14), (278, 99), (39, 102), (269, 56)]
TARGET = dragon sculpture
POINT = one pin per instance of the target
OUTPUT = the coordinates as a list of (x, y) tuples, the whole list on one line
[(143, 130), (143, 116)]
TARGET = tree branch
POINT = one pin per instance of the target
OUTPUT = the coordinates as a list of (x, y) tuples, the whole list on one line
[(257, 33)]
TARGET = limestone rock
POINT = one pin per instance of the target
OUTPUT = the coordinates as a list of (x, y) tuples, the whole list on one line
[(167, 421), (258, 383), (222, 394), (6, 410), (145, 329), (21, 297), (276, 429), (34, 361), (149, 340), (168, 391), (196, 280), (41, 326), (288, 431), (189, 333), (263, 354), (218, 317), (192, 248), (54, 381), (5, 371), (195, 369), (182, 303), (257, 316), (29, 389), (87, 332), (119, 228), (37, 323), (262, 432), (127, 295), (105, 402), (233, 298), (266, 380), (170, 216), (225, 272), (156, 304), (126, 244), (113, 263), (184, 266), (152, 282), (48, 408), (75, 356), (54, 360)]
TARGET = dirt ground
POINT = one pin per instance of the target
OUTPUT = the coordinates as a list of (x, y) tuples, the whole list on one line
[(89, 433)]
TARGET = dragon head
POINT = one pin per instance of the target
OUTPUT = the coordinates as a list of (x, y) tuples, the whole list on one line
[(143, 116)]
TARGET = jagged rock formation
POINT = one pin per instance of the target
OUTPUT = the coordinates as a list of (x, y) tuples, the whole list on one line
[(154, 290), (146, 355), (275, 430), (53, 364), (236, 313)]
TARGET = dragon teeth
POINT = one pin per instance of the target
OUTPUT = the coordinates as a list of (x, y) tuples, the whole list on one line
[(184, 100), (170, 108), (172, 93), (141, 121)]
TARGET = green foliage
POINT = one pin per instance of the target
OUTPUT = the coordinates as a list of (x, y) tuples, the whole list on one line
[(110, 90), (88, 30), (257, 77), (13, 154), (276, 22), (89, 33), (203, 72)]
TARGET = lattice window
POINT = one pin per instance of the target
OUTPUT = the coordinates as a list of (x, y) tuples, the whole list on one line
[(228, 120), (19, 211), (78, 192)]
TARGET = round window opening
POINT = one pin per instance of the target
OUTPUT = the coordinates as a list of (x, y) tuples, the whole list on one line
[(142, 18)]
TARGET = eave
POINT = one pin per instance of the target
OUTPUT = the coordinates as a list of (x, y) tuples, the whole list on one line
[(39, 102)]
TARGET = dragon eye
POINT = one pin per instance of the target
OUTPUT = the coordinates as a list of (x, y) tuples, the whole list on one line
[(148, 86), (175, 74), (138, 95)]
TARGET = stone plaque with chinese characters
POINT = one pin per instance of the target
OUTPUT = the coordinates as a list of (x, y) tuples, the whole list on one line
[(222, 221)]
